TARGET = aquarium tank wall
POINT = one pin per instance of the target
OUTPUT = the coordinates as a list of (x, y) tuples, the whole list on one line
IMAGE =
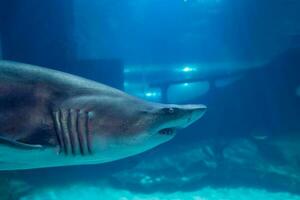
[(239, 58)]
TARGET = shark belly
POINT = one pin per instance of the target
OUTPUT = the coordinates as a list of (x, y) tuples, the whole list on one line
[(15, 159), (19, 159)]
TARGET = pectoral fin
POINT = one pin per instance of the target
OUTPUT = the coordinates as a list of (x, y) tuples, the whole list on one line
[(19, 145)]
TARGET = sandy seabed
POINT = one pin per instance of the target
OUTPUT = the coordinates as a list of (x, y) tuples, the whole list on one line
[(85, 192)]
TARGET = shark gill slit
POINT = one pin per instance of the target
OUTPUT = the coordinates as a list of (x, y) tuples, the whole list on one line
[(88, 132), (83, 131), (79, 132), (65, 131), (58, 131), (72, 130)]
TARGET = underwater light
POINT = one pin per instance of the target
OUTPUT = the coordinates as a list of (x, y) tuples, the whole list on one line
[(188, 69), (186, 84), (151, 94)]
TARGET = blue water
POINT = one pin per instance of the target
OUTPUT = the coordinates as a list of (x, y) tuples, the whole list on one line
[(240, 58)]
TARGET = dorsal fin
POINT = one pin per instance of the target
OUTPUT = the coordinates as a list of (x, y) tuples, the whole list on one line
[(17, 144)]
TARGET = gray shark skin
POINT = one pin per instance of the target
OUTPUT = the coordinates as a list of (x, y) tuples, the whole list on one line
[(50, 118)]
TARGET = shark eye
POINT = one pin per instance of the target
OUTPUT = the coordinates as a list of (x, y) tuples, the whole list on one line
[(168, 110)]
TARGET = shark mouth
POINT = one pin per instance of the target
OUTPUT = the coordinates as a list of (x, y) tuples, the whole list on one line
[(167, 131)]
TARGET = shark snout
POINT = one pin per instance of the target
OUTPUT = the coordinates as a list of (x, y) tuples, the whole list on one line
[(192, 113), (181, 116)]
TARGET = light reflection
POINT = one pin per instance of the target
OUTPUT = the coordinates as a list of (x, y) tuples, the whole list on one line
[(188, 69), (153, 94)]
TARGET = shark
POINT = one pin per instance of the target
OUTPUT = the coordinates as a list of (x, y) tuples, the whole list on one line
[(50, 118)]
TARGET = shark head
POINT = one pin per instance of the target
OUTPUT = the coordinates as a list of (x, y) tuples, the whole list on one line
[(165, 120), (173, 117), (132, 126)]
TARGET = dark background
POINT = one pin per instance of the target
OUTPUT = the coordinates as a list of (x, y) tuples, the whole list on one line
[(100, 39)]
